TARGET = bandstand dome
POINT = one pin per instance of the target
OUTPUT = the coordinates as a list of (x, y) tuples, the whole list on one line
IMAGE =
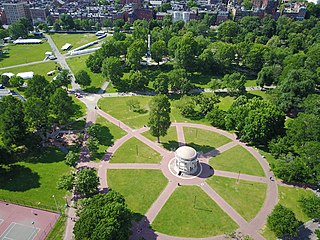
[(186, 160), (186, 152)]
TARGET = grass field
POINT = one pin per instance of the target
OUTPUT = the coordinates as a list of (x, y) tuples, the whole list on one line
[(79, 107), (33, 181), (170, 141), (23, 53), (184, 217), (139, 187), (40, 69), (79, 63), (225, 102), (107, 135), (135, 151), (58, 229), (237, 159), (132, 119), (76, 40), (289, 197), (238, 195), (203, 140)]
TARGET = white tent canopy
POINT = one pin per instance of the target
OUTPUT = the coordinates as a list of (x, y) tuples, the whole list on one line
[(66, 47), (27, 41), (25, 75), (8, 74)]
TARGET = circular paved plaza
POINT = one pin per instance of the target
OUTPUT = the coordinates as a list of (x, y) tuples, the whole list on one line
[(141, 229)]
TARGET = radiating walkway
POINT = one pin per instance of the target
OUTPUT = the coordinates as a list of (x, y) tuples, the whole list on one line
[(142, 229)]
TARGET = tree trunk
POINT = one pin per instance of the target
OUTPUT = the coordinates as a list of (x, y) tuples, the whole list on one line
[(158, 137)]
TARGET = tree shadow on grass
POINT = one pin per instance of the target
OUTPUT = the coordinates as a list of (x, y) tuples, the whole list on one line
[(170, 145), (91, 89), (104, 137), (201, 148), (77, 110), (137, 216), (17, 178), (42, 155)]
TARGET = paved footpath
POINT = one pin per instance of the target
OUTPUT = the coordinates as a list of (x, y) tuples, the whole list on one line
[(142, 229)]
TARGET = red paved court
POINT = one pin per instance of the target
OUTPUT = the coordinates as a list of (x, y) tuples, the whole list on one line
[(24, 223)]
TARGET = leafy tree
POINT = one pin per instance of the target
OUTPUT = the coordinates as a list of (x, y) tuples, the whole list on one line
[(56, 26), (165, 7), (187, 106), (294, 88), (207, 61), (104, 216), (137, 81), (228, 30), (206, 102), (65, 182), (118, 23), (112, 69), (61, 106), (66, 21), (158, 50), (159, 117), (38, 87), (63, 78), (179, 81), (83, 78), (135, 53), (5, 80), (310, 206), (254, 60), (86, 182), (187, 50), (16, 81), (282, 221), (311, 104), (268, 75), (217, 118), (257, 121), (134, 105), (161, 83), (17, 30), (235, 83), (71, 158), (12, 126), (93, 145), (140, 33), (224, 55), (37, 116), (4, 33)]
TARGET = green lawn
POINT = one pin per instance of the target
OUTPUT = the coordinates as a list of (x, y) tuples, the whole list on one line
[(203, 140), (23, 53), (184, 216), (237, 159), (135, 151), (170, 141), (135, 119), (107, 135), (238, 195), (76, 40), (289, 197), (79, 108), (79, 63), (139, 187), (33, 181), (40, 69), (225, 102), (251, 83), (58, 229), (177, 117), (132, 119)]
